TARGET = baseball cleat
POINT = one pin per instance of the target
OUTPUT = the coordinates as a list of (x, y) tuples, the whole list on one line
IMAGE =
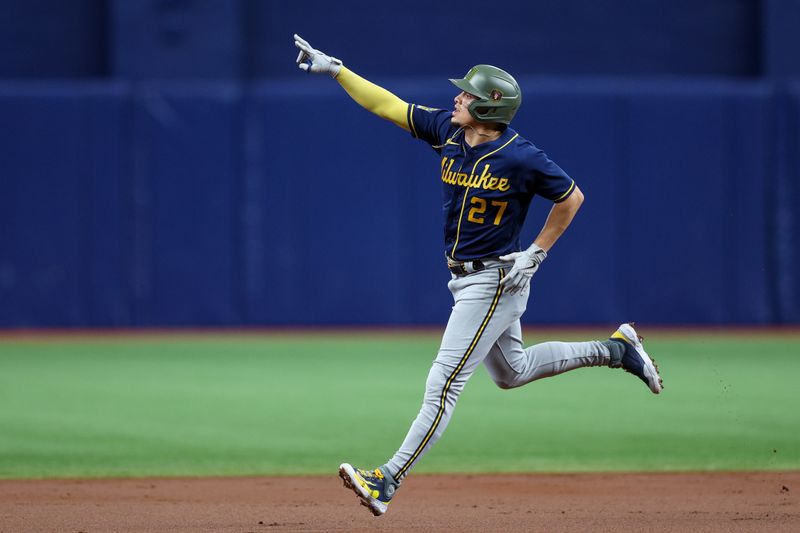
[(635, 360), (371, 487)]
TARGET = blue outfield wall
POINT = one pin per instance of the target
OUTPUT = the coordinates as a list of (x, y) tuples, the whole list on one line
[(276, 203)]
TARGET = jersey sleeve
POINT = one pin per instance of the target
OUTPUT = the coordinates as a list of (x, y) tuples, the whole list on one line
[(430, 125), (548, 179)]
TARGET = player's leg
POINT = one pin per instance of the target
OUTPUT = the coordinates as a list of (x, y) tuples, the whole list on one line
[(480, 314), (511, 365)]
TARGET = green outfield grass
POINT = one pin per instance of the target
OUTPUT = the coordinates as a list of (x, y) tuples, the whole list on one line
[(301, 404)]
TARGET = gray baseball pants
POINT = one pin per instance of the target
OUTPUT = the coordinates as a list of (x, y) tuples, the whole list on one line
[(484, 327)]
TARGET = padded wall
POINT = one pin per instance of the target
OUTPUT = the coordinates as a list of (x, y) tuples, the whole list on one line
[(285, 203), (185, 185), (786, 196), (64, 165)]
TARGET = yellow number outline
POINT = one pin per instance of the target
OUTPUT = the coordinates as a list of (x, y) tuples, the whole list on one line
[(480, 209)]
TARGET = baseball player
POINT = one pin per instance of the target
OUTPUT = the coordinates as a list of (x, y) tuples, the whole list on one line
[(489, 175)]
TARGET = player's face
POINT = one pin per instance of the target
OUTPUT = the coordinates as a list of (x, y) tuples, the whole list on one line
[(461, 116)]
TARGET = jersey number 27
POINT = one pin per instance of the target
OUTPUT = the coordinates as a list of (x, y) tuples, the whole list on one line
[(480, 207)]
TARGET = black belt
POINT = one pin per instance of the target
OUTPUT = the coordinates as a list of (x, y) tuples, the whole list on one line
[(465, 267)]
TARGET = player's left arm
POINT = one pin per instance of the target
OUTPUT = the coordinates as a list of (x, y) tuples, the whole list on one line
[(558, 220), (527, 262)]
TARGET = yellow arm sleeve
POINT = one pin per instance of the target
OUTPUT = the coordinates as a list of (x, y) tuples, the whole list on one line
[(373, 98)]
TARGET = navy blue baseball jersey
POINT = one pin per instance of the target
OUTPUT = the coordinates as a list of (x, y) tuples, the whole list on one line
[(487, 188)]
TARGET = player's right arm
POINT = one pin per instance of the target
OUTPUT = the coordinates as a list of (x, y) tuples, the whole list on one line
[(368, 95)]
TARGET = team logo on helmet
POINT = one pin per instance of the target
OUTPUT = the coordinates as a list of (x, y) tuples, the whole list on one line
[(496, 95)]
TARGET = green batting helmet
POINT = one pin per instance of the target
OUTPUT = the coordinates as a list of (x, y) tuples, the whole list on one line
[(499, 95)]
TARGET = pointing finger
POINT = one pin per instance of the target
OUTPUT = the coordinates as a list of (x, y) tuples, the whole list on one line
[(301, 43)]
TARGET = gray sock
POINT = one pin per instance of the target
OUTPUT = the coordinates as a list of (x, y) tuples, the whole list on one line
[(392, 485), (617, 350)]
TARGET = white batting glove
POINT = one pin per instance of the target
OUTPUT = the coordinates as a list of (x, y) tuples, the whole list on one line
[(312, 60), (526, 263)]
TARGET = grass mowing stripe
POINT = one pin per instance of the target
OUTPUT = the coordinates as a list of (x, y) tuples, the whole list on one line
[(296, 405)]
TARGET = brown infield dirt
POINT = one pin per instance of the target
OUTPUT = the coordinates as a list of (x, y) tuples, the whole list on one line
[(729, 502)]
